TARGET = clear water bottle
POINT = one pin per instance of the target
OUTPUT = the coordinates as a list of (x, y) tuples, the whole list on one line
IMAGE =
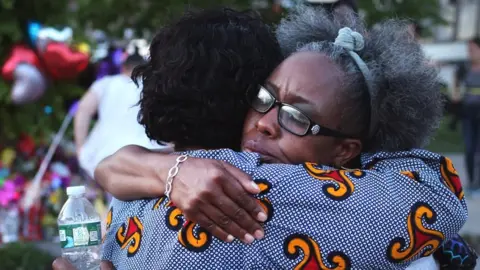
[(9, 224), (80, 231)]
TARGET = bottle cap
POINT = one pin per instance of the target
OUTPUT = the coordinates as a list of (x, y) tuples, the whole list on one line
[(76, 190)]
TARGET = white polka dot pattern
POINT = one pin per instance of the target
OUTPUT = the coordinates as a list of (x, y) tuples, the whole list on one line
[(400, 207)]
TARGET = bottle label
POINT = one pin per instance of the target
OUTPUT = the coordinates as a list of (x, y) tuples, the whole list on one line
[(80, 235)]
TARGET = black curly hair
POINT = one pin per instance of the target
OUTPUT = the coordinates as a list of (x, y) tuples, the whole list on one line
[(199, 71)]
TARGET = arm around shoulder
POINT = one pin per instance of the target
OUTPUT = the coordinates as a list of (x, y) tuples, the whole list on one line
[(134, 172)]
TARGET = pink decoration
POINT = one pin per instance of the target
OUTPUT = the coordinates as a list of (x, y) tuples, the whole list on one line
[(8, 193)]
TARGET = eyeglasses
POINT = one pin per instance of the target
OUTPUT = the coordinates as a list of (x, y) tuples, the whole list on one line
[(290, 118)]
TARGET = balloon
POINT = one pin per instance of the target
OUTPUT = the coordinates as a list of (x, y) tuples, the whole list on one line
[(51, 34), (20, 54), (84, 48), (8, 156), (33, 30), (62, 62), (29, 84)]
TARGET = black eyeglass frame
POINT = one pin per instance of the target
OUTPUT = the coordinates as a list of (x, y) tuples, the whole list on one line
[(313, 128)]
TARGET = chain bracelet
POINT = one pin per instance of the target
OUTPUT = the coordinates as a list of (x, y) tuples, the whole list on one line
[(172, 173)]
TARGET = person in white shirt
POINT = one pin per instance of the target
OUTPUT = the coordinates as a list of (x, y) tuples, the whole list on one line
[(115, 100)]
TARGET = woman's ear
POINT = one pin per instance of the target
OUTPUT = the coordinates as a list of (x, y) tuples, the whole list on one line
[(347, 150)]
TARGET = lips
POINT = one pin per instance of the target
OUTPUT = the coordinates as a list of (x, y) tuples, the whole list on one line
[(255, 146)]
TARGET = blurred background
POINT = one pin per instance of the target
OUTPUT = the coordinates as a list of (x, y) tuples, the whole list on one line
[(52, 51)]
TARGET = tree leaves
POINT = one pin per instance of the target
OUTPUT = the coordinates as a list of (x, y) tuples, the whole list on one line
[(379, 10)]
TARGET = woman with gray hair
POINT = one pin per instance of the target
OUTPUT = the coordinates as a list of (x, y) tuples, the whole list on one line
[(391, 88), (344, 98)]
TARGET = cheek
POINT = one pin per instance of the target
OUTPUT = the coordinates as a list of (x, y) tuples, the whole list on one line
[(250, 121), (309, 149)]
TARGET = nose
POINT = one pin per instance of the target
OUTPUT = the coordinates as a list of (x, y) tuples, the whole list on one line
[(268, 124)]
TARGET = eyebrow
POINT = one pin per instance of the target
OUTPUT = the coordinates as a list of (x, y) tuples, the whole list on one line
[(295, 98)]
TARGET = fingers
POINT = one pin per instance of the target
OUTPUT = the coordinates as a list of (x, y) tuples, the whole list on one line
[(206, 223), (226, 223), (62, 264), (244, 179), (234, 219), (236, 191)]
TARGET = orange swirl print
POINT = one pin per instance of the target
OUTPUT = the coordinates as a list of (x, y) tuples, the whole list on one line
[(264, 202), (342, 187), (108, 223), (109, 218), (412, 175), (267, 206), (174, 218), (197, 239), (130, 235), (158, 203), (194, 238), (312, 256), (450, 177), (421, 240)]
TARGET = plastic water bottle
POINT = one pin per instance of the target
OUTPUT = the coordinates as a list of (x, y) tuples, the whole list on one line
[(9, 224), (80, 230)]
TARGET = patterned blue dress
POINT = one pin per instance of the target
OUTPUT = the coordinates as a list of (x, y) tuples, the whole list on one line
[(399, 207)]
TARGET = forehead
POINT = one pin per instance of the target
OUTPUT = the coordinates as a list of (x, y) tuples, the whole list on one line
[(309, 75)]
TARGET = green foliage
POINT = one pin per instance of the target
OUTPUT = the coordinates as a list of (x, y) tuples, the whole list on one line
[(31, 118), (140, 15), (415, 10), (18, 256), (447, 140)]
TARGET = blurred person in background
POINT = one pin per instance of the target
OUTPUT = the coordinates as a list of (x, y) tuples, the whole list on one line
[(115, 100), (467, 94)]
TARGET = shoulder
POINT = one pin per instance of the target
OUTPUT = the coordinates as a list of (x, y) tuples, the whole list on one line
[(237, 159)]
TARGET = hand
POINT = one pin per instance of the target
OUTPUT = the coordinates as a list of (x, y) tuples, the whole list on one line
[(63, 264), (217, 196)]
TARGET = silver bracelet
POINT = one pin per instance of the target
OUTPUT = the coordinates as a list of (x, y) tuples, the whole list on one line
[(172, 173)]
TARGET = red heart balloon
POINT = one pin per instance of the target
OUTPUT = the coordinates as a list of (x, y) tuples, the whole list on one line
[(62, 62), (20, 54)]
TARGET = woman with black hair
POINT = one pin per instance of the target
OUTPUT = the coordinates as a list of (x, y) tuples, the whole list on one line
[(113, 98)]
